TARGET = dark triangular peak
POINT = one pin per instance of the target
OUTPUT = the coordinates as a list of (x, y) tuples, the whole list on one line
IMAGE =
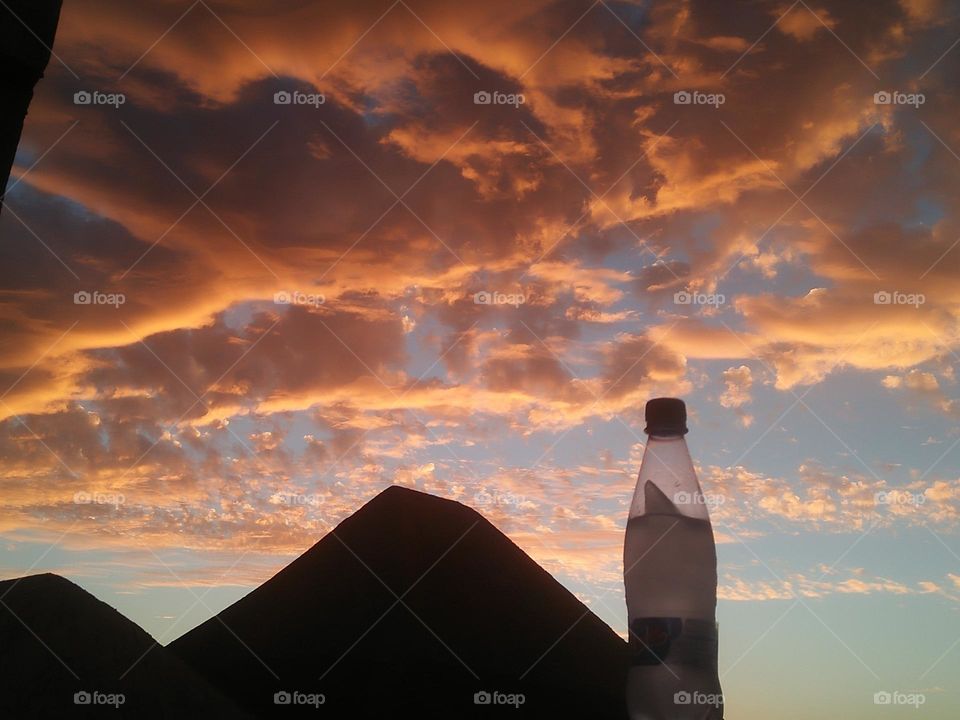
[(58, 640), (474, 613)]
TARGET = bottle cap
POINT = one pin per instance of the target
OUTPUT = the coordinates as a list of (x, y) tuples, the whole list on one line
[(666, 416)]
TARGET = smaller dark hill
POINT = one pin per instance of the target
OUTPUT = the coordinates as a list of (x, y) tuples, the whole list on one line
[(57, 640)]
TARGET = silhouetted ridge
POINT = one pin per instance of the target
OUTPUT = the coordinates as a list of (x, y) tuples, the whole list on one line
[(482, 616), (57, 640)]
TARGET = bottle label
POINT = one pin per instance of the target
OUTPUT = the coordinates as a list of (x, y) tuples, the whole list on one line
[(675, 641), (651, 639)]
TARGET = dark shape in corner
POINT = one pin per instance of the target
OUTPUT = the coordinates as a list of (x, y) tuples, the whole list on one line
[(27, 30), (58, 642)]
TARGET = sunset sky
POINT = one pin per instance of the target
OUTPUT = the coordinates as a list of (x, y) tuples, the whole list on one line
[(751, 205)]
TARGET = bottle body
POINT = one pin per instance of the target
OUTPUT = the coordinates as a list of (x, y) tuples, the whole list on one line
[(670, 577)]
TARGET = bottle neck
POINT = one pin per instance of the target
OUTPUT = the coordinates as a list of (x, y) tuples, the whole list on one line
[(668, 469), (667, 456)]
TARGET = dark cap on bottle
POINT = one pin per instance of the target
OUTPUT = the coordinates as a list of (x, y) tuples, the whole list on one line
[(666, 416)]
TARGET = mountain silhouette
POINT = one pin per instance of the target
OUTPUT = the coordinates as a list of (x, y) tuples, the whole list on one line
[(57, 640), (409, 608)]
